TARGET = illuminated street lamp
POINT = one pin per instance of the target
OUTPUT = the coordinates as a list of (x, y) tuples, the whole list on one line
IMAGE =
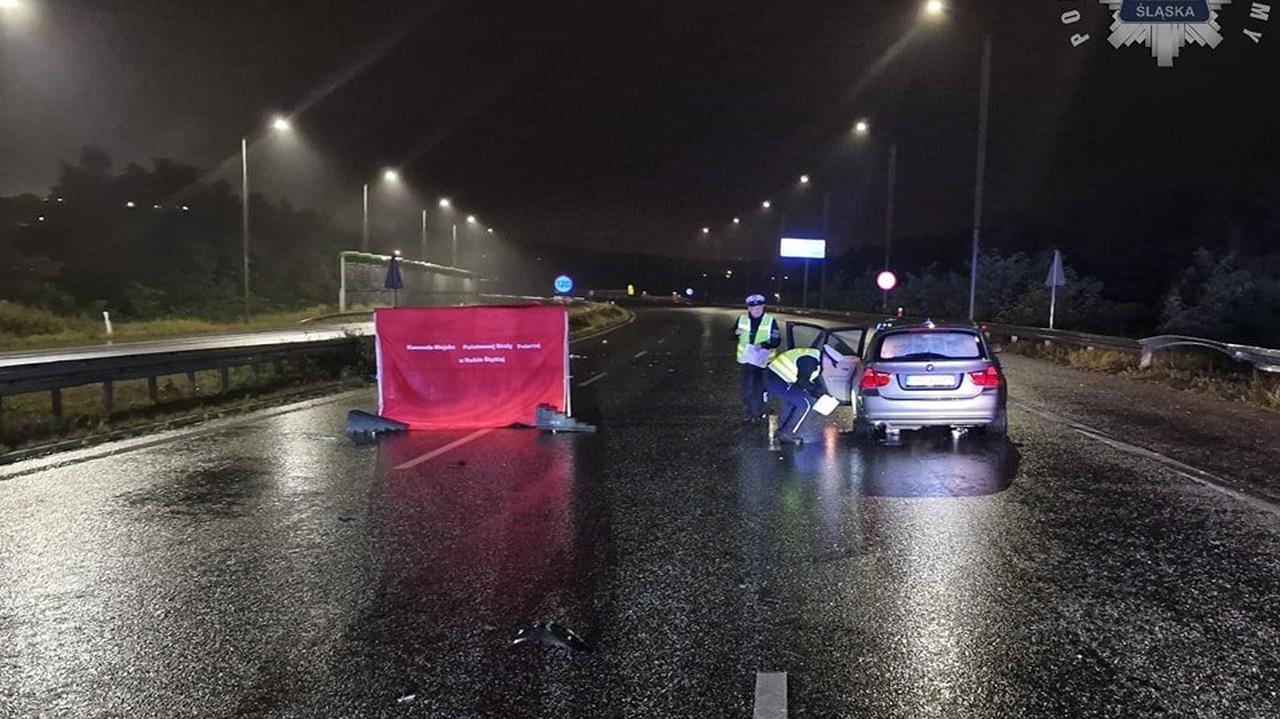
[(736, 221), (766, 204), (279, 124), (804, 179), (862, 127), (706, 230), (389, 175), (471, 219), (444, 203), (935, 10)]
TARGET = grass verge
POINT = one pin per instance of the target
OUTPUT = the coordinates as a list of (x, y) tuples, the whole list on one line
[(1204, 372), (25, 328)]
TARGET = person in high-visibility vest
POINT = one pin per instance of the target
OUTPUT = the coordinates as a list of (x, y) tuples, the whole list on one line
[(755, 332), (793, 376)]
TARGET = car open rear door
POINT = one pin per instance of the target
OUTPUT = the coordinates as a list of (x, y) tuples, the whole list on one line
[(841, 349), (803, 334)]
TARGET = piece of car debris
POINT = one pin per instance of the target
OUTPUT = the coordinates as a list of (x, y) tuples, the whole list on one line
[(552, 634)]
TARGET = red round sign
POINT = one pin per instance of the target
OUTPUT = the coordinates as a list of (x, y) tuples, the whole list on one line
[(886, 280)]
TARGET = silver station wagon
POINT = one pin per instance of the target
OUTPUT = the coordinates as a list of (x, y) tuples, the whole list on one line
[(927, 375)]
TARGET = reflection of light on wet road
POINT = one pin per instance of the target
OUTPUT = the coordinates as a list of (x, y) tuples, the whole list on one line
[(941, 558), (936, 465), (491, 524)]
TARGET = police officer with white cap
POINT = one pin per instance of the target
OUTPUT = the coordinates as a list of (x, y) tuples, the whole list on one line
[(757, 335)]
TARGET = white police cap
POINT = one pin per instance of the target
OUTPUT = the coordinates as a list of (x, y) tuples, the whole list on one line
[(755, 299)]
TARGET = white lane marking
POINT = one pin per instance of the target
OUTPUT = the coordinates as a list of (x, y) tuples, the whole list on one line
[(593, 379), (663, 341), (771, 696), (1195, 474), (437, 452), (640, 354)]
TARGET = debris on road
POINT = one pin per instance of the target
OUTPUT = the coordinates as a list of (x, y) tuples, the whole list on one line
[(552, 634), (359, 422)]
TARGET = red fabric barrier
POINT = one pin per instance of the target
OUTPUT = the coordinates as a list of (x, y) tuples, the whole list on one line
[(470, 367)]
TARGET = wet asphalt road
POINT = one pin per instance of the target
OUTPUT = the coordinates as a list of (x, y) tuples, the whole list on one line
[(268, 567)]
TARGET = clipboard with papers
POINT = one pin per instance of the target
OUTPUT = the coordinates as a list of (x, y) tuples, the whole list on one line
[(756, 355)]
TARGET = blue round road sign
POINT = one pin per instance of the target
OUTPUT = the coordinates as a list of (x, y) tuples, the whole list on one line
[(564, 285)]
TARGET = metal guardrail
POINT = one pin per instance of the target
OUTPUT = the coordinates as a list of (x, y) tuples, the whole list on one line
[(55, 370), (1266, 360), (1080, 339), (1262, 358)]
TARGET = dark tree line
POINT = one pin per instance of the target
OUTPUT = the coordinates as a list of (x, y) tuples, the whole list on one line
[(1133, 268), (159, 241)]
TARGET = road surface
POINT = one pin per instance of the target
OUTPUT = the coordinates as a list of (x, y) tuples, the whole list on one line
[(269, 567)]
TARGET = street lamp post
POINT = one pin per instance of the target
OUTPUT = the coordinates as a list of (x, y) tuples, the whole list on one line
[(423, 254), (983, 104), (244, 218), (388, 175), (826, 238), (279, 124), (364, 222), (888, 215), (937, 9)]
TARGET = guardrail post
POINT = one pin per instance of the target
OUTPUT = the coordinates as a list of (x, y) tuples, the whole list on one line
[(1146, 360), (152, 390), (108, 398), (55, 396), (191, 382), (224, 375)]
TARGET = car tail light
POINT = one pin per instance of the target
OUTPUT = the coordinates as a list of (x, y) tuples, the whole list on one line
[(872, 379), (989, 377)]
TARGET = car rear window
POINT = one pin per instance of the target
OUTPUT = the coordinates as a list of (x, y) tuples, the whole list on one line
[(930, 345)]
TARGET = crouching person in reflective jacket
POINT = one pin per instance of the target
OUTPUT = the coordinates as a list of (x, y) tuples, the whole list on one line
[(793, 376)]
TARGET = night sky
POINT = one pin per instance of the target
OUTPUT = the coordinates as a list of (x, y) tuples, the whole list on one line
[(629, 125)]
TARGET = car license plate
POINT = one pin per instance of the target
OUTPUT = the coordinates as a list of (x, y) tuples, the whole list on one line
[(930, 380)]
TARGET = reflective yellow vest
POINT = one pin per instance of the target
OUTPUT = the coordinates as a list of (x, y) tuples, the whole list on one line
[(763, 333), (785, 364)]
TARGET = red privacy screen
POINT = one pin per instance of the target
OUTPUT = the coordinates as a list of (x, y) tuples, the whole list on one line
[(470, 367)]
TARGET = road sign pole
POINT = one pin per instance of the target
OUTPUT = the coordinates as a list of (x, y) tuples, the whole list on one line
[(804, 301)]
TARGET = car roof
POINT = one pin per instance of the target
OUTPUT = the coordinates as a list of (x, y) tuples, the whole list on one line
[(929, 326)]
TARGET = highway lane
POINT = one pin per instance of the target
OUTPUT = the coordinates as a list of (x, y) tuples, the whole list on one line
[(267, 566)]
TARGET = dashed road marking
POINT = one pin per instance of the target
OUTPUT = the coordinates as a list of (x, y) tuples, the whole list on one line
[(437, 452), (597, 378), (771, 696), (640, 354)]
